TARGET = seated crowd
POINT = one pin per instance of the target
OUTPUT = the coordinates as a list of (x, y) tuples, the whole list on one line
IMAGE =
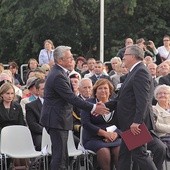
[(21, 100)]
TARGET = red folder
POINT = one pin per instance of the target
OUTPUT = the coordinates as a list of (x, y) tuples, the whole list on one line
[(134, 141)]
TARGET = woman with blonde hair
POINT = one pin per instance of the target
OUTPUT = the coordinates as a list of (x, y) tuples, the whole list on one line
[(10, 110), (115, 63), (46, 68), (1, 67)]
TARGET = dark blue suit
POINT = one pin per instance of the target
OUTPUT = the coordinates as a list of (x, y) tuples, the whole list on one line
[(57, 114), (94, 78), (134, 105), (33, 112)]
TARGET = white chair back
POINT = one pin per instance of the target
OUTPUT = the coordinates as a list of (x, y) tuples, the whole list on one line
[(46, 142), (72, 151), (16, 139)]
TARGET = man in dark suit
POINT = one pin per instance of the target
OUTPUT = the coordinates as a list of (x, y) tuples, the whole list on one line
[(59, 100), (165, 80), (98, 72), (90, 64), (128, 41), (33, 112), (134, 106)]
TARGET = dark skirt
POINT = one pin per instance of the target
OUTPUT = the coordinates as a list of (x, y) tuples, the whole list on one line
[(97, 144)]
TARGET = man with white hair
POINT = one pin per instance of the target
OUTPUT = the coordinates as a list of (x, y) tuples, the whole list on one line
[(57, 109)]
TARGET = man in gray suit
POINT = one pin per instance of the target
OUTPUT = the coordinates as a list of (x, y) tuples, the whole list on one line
[(134, 106), (59, 100)]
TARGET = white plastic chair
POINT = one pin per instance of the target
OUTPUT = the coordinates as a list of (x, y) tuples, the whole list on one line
[(73, 152), (46, 146), (16, 142), (1, 157), (86, 152)]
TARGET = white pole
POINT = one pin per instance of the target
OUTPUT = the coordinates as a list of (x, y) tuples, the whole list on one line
[(102, 30)]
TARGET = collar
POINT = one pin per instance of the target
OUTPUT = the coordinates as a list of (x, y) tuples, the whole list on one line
[(98, 75), (162, 110), (83, 97), (41, 99), (63, 68), (134, 66)]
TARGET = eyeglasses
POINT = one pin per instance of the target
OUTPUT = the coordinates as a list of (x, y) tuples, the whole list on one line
[(128, 54), (163, 93), (68, 58)]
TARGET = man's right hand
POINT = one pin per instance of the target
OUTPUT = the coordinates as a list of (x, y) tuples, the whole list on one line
[(100, 109)]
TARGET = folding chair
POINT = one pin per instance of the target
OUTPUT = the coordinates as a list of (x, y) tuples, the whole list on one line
[(73, 152), (87, 153), (16, 142), (46, 147)]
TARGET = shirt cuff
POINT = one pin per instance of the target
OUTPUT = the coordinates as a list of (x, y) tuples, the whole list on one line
[(94, 108)]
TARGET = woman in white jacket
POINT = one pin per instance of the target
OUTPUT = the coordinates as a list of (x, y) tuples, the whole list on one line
[(162, 115)]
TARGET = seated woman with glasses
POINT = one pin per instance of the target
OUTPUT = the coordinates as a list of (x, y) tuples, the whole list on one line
[(95, 136), (162, 114)]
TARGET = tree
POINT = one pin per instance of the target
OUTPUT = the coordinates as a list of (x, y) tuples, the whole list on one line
[(26, 24)]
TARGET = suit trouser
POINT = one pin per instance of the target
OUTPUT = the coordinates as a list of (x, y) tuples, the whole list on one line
[(158, 149), (59, 159), (139, 155)]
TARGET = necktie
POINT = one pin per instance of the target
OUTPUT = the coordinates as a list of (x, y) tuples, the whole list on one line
[(98, 77), (67, 73)]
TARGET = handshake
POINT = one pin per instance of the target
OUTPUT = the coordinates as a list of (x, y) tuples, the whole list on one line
[(101, 109)]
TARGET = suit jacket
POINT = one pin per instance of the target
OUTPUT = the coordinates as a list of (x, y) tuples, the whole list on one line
[(134, 101), (94, 78), (59, 100), (165, 80), (12, 117), (33, 112), (162, 120)]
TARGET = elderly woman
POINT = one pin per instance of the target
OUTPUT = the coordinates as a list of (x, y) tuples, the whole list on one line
[(95, 136), (162, 114), (162, 109)]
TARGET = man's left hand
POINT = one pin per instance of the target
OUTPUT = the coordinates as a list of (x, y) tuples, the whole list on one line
[(135, 128)]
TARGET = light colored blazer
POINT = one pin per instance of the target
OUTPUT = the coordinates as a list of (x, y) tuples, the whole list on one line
[(162, 121)]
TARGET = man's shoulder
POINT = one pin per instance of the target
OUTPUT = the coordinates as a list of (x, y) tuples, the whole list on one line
[(55, 71), (32, 103), (165, 78), (91, 100)]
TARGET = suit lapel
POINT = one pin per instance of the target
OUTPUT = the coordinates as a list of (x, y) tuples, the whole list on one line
[(39, 104), (65, 75)]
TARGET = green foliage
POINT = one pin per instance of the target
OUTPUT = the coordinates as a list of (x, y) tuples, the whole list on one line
[(25, 24)]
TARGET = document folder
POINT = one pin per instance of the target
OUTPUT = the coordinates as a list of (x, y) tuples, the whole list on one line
[(134, 141)]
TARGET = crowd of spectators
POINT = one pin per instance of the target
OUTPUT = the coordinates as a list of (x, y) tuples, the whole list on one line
[(22, 99)]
